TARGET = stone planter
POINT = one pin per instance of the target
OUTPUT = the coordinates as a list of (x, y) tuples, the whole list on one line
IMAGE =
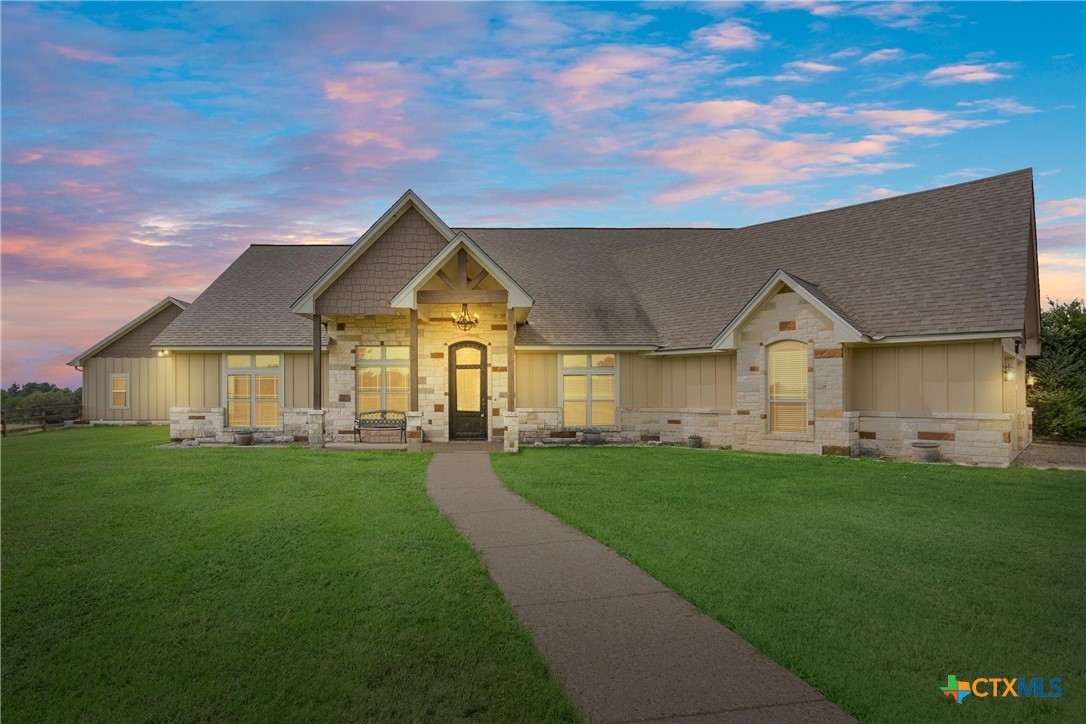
[(693, 441), (593, 437), (926, 451), (243, 438)]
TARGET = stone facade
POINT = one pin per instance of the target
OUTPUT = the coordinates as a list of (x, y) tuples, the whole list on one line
[(832, 429), (436, 334), (970, 438), (787, 316), (207, 425)]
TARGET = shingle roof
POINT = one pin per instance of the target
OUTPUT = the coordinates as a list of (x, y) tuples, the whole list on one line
[(140, 330), (949, 260), (249, 303)]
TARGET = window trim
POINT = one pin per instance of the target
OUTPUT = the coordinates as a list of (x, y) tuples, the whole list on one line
[(252, 370), (590, 370), (127, 390), (808, 431), (383, 364)]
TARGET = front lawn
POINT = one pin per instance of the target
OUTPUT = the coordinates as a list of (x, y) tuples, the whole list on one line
[(246, 585), (873, 581)]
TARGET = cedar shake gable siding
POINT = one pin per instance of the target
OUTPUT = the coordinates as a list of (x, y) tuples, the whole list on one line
[(137, 343), (386, 266)]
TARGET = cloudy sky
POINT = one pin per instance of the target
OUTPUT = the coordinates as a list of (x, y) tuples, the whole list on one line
[(145, 146)]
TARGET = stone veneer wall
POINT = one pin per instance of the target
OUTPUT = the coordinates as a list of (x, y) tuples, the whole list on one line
[(971, 438), (435, 336), (830, 431), (206, 425)]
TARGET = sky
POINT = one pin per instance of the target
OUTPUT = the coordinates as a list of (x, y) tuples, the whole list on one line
[(145, 146)]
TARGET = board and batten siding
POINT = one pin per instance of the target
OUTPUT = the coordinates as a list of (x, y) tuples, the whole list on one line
[(701, 381), (199, 379), (298, 380), (963, 377), (151, 388), (537, 379)]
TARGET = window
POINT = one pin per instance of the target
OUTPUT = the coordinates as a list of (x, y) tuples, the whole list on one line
[(787, 362), (384, 378), (588, 390), (118, 391), (253, 382)]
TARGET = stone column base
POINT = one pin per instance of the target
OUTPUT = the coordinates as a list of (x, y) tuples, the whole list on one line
[(315, 425), (414, 432), (512, 432)]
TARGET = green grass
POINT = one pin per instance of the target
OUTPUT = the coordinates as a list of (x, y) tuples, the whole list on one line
[(256, 585), (871, 580)]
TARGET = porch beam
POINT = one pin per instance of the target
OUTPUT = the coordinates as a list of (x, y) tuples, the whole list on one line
[(446, 278), (511, 358), (317, 362), (449, 296), (462, 269), (413, 363), (475, 282)]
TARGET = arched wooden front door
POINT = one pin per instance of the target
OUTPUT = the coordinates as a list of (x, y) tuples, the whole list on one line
[(467, 391)]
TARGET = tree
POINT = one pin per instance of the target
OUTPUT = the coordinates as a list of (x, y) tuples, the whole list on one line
[(1058, 398), (38, 394)]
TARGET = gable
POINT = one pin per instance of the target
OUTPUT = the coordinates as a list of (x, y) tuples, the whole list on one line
[(462, 271), (367, 285), (134, 339)]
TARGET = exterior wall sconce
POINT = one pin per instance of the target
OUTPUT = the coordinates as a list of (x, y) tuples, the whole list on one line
[(464, 322), (1008, 372), (1031, 380), (164, 353)]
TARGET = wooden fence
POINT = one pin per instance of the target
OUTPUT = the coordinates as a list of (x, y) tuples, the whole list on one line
[(33, 418)]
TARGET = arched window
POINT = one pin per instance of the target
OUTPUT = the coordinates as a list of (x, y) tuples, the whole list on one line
[(787, 363)]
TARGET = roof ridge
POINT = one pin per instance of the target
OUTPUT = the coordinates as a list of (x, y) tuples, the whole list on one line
[(598, 228), (910, 194)]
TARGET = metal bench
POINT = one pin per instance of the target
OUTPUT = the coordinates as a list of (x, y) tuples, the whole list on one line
[(381, 420)]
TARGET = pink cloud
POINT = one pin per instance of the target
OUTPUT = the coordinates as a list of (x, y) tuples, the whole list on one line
[(89, 56), (769, 197), (738, 158), (968, 73), (808, 66), (883, 56), (611, 77), (730, 35), (777, 112), (1062, 276), (1074, 208)]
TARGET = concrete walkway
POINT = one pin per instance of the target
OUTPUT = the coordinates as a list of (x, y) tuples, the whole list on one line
[(624, 646)]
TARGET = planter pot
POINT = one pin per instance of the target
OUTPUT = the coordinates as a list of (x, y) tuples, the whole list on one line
[(693, 442), (243, 438), (925, 451), (593, 438)]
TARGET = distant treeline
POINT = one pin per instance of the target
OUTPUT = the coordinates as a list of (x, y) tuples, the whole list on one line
[(38, 394)]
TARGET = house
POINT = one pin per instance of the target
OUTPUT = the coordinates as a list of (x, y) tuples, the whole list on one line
[(857, 330)]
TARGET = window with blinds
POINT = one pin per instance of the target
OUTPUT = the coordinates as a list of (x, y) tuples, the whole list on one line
[(588, 390), (253, 384), (787, 369), (384, 378)]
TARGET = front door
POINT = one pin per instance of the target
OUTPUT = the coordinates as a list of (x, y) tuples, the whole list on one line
[(467, 391)]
